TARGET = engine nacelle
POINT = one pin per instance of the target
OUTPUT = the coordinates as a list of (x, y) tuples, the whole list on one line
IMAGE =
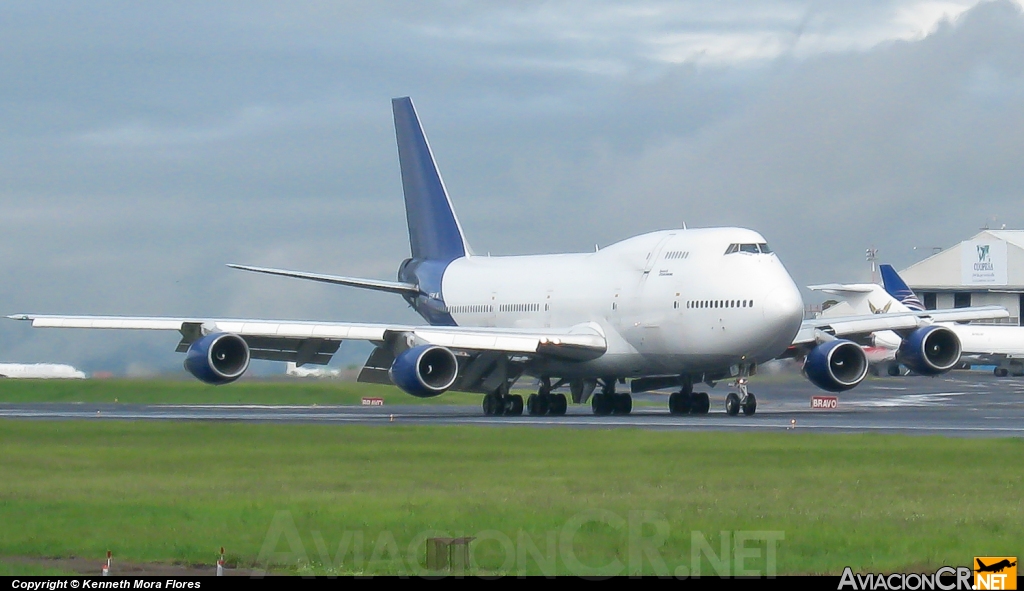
[(836, 366), (930, 351), (218, 358), (424, 371)]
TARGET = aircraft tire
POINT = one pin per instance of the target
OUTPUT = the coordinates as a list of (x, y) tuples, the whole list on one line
[(514, 406), (680, 403), (622, 404), (732, 404), (701, 403), (492, 405), (557, 405), (601, 404), (893, 370), (536, 405), (1001, 372), (749, 405)]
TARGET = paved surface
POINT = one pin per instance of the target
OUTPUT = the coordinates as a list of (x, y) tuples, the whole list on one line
[(966, 404)]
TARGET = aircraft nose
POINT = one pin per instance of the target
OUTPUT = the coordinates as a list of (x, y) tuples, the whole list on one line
[(784, 308)]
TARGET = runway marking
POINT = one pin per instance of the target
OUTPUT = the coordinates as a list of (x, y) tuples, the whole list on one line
[(935, 399)]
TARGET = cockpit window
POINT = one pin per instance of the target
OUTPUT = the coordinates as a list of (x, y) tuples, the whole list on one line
[(750, 248)]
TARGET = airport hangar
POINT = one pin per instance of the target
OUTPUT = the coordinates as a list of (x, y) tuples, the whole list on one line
[(987, 269)]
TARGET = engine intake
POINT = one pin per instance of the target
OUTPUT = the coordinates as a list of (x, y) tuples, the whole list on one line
[(930, 351), (425, 371), (218, 358), (836, 366)]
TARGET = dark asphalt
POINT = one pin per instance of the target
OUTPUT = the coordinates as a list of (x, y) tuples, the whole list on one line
[(965, 404)]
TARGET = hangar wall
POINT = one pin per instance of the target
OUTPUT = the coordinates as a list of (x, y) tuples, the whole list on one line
[(987, 269)]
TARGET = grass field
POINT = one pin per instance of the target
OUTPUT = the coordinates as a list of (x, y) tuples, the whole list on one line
[(329, 499)]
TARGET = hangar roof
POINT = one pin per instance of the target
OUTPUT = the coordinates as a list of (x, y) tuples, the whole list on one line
[(992, 260)]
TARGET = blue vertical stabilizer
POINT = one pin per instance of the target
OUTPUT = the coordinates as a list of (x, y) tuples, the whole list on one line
[(898, 288), (434, 232)]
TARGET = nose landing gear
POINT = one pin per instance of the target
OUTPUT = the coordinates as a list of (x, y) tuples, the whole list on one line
[(744, 401)]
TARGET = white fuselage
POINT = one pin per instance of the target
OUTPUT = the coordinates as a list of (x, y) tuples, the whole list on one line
[(668, 302), (1001, 340)]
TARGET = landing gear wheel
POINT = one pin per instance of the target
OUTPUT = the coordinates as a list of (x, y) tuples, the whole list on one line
[(537, 404), (601, 404), (749, 405), (493, 406), (557, 405), (680, 403), (514, 405), (893, 370), (701, 403), (1001, 372), (622, 404), (732, 404)]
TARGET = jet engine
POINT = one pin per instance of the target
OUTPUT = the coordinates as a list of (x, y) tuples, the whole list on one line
[(424, 371), (218, 358), (836, 365), (930, 351)]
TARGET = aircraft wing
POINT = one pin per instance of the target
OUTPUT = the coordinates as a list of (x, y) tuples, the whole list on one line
[(316, 342), (816, 330)]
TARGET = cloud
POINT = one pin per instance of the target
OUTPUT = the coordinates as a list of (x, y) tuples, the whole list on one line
[(143, 146)]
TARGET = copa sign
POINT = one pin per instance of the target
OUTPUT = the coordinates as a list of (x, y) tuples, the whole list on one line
[(983, 262), (824, 402)]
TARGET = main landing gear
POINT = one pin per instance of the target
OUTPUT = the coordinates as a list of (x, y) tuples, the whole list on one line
[(545, 403), (607, 402), (682, 403), (685, 401), (744, 401), (503, 404)]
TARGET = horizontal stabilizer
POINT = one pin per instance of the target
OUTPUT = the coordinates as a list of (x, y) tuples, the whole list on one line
[(376, 284), (843, 288)]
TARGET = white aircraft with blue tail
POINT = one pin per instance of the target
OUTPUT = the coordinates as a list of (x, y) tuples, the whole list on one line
[(1001, 346), (663, 310)]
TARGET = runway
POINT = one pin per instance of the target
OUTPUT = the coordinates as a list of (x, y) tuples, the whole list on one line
[(964, 404)]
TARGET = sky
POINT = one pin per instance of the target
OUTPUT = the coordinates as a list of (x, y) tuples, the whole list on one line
[(145, 145)]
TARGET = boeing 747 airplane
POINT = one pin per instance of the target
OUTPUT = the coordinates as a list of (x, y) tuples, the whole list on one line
[(668, 309)]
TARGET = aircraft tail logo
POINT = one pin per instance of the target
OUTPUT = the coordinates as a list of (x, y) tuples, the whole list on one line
[(883, 310), (898, 288)]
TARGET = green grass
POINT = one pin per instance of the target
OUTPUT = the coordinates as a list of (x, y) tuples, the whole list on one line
[(628, 500), (297, 392)]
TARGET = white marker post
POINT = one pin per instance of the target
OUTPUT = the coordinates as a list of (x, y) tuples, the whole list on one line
[(106, 566), (220, 563)]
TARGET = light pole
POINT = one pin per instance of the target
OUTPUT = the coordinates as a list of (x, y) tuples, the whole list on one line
[(871, 255)]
